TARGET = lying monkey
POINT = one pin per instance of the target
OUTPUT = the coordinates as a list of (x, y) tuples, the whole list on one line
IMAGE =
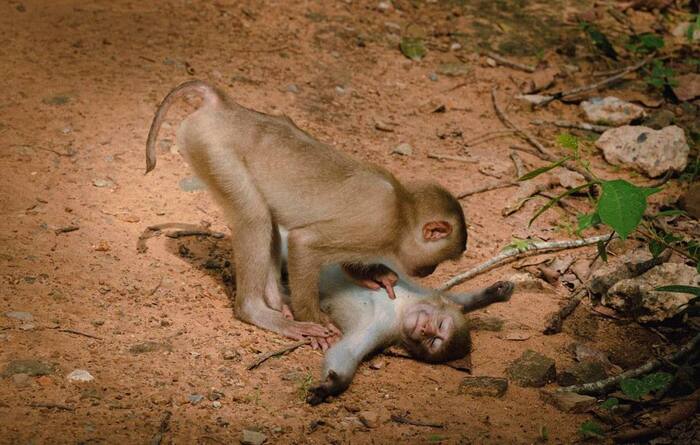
[(266, 172), (431, 326)]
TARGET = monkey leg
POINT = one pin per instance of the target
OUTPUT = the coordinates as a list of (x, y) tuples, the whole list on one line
[(470, 301)]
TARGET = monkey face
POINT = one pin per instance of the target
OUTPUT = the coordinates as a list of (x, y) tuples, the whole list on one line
[(434, 332)]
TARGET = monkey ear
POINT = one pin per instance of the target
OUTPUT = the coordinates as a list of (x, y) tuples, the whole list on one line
[(436, 230)]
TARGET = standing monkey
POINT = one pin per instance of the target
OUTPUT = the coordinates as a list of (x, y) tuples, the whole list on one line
[(266, 173)]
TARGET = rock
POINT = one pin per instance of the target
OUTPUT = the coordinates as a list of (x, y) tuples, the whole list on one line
[(586, 371), (525, 282), (17, 315), (483, 386), (194, 399), (491, 324), (103, 183), (649, 151), (680, 31), (370, 419), (532, 369), (583, 352), (80, 375), (454, 69), (569, 402), (630, 265), (252, 437), (533, 99), (191, 184), (491, 62), (659, 119), (384, 6), (29, 367), (216, 404), (377, 364), (60, 99), (433, 76), (611, 111), (403, 149), (690, 200), (27, 326), (688, 87), (231, 354), (292, 88), (20, 379), (149, 346), (637, 297)]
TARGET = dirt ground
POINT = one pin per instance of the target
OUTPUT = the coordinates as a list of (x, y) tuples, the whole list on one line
[(82, 80)]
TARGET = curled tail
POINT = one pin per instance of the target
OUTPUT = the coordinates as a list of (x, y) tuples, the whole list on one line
[(209, 94)]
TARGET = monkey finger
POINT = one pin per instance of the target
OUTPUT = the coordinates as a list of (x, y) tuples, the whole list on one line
[(368, 283), (334, 330), (314, 343), (287, 312)]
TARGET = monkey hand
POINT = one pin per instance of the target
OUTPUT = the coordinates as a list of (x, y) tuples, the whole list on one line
[(500, 290), (374, 276), (333, 385), (324, 342)]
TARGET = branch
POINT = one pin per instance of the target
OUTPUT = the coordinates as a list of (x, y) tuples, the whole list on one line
[(556, 320), (509, 63), (406, 421), (440, 157), (268, 355), (488, 187), (508, 255), (601, 386), (575, 125)]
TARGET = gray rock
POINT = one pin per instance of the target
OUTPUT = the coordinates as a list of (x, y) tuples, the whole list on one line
[(483, 386), (569, 402), (611, 111), (659, 119), (18, 315), (532, 369), (29, 367), (433, 76), (194, 399), (586, 371), (630, 265), (191, 184), (292, 88), (403, 149), (80, 375), (252, 437), (637, 297), (652, 152), (149, 346)]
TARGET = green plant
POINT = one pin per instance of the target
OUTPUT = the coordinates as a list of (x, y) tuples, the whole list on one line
[(638, 388), (590, 429), (661, 76), (692, 28), (304, 382), (645, 43)]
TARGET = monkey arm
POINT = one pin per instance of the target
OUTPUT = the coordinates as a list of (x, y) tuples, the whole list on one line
[(471, 301), (373, 276)]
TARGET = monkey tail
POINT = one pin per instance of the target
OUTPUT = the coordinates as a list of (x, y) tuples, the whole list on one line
[(208, 93)]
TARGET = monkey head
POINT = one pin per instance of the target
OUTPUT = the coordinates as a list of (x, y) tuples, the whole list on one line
[(435, 331), (437, 232)]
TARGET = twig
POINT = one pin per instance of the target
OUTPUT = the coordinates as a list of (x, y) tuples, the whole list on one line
[(544, 153), (489, 135), (406, 421), (73, 331), (602, 386), (70, 154), (594, 86), (488, 187), (576, 125), (52, 406), (157, 286), (508, 255), (66, 229), (268, 355), (503, 61), (556, 320), (183, 233), (156, 230), (518, 163), (440, 157)]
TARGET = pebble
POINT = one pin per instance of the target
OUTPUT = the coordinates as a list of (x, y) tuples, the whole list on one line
[(532, 369), (611, 111), (194, 399), (384, 6), (20, 379), (481, 386), (18, 315), (370, 419), (231, 354), (433, 76), (292, 88), (190, 184), (80, 375), (403, 149), (252, 437), (216, 404), (102, 183)]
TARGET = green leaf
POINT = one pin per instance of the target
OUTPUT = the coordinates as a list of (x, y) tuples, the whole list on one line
[(520, 245), (602, 251), (621, 206), (591, 429), (413, 48), (633, 388), (556, 200), (610, 403), (657, 380), (692, 290), (666, 213), (568, 140), (636, 389), (656, 248), (587, 220), (538, 171)]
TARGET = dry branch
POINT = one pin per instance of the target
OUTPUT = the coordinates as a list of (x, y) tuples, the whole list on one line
[(268, 355), (509, 63), (601, 386), (575, 125), (440, 157), (556, 320), (488, 187), (508, 255), (406, 421), (489, 135)]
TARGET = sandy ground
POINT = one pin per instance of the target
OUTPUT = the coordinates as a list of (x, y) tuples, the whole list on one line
[(82, 79)]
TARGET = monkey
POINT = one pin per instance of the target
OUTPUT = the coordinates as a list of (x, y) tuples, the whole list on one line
[(266, 172)]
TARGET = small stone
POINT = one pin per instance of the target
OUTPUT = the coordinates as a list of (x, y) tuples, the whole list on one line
[(80, 375), (376, 364), (454, 69), (102, 246), (194, 399), (690, 200), (455, 46), (611, 111), (403, 149), (646, 150), (191, 184), (491, 324), (340, 90), (149, 346), (586, 371), (688, 87), (483, 386), (433, 76), (18, 315), (532, 369), (384, 6), (515, 336), (533, 99), (569, 402), (292, 88), (27, 326), (369, 419), (252, 437), (103, 183), (30, 367), (20, 379), (216, 404), (231, 354), (525, 282)]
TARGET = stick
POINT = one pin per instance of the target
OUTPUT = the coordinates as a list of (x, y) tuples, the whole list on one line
[(518, 163), (511, 64), (440, 157), (556, 320), (677, 413), (51, 406), (183, 233), (489, 135), (66, 229), (508, 255), (268, 355), (73, 331), (406, 421), (601, 386), (576, 125), (488, 187), (162, 429)]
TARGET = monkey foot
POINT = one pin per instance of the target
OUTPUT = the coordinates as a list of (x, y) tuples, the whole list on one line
[(501, 290)]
